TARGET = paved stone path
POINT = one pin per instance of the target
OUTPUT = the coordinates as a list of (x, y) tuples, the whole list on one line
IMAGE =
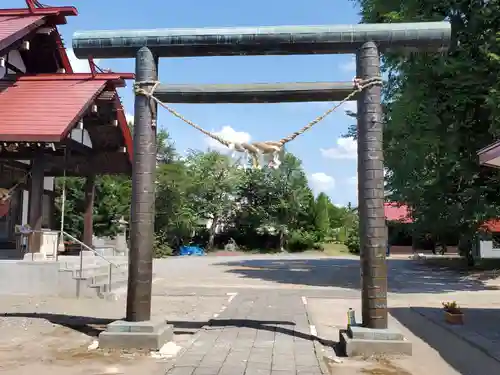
[(277, 304), (258, 334)]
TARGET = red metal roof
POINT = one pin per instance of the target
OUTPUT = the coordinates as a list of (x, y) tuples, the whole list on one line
[(48, 11), (43, 110), (397, 212), (13, 28), (46, 107), (492, 225)]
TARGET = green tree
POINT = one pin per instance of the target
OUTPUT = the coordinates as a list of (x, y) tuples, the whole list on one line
[(111, 202), (438, 111), (321, 217), (275, 201), (213, 183)]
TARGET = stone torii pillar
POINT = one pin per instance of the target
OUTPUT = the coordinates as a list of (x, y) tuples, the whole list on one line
[(372, 226)]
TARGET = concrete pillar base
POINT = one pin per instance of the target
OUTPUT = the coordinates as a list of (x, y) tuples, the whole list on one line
[(149, 335), (361, 341)]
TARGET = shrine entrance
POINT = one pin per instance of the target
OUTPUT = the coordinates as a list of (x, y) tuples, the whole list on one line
[(367, 41)]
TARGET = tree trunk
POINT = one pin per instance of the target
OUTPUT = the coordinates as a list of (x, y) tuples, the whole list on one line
[(282, 241), (211, 237)]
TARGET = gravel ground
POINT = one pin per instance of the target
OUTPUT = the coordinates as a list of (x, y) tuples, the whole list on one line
[(51, 335)]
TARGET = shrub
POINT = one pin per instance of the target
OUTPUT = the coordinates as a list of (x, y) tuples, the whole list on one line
[(161, 249), (300, 240), (452, 307), (352, 242)]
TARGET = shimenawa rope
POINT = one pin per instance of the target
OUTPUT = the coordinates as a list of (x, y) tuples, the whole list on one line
[(256, 149)]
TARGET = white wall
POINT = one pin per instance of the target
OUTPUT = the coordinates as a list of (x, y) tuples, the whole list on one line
[(16, 60), (487, 251), (48, 183)]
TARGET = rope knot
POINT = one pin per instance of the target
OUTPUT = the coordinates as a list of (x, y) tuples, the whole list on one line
[(146, 88)]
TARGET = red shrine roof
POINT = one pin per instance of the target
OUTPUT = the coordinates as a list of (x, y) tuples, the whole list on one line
[(400, 212), (16, 24), (397, 212), (492, 226), (13, 28), (46, 107)]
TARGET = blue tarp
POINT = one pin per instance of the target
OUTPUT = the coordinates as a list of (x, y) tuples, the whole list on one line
[(191, 250)]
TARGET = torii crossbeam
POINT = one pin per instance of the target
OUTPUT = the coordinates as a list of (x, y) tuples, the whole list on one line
[(367, 41)]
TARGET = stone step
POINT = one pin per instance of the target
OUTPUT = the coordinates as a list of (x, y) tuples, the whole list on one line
[(93, 270), (101, 289)]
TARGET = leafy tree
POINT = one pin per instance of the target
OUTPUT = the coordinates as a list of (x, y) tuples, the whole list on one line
[(439, 110), (275, 201), (322, 220), (111, 202), (211, 195)]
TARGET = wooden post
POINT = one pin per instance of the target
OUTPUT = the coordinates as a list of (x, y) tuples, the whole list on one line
[(36, 202), (373, 235), (143, 195), (88, 218)]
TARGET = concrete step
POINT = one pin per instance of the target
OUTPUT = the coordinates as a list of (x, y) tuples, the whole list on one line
[(102, 289), (93, 279), (90, 270)]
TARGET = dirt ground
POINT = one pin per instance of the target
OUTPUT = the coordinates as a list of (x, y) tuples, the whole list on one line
[(53, 335)]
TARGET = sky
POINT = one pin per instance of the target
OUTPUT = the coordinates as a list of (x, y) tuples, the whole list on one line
[(328, 159)]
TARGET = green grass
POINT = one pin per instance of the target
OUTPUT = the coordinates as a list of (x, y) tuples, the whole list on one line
[(333, 249)]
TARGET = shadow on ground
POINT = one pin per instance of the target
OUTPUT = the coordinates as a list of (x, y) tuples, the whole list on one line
[(92, 326), (259, 325), (404, 276), (455, 344)]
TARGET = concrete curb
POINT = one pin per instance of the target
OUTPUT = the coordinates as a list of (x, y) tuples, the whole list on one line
[(470, 337), (322, 352)]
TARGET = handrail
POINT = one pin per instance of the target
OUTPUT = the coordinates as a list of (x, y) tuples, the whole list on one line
[(88, 248)]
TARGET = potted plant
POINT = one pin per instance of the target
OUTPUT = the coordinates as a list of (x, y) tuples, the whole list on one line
[(452, 313)]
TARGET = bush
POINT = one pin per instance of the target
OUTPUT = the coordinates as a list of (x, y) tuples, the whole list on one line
[(300, 240), (161, 249), (352, 242)]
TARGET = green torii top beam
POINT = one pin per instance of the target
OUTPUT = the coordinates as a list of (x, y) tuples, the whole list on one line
[(255, 92), (272, 40)]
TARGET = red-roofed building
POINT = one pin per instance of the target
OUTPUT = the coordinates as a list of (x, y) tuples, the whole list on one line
[(401, 213), (397, 212), (53, 122)]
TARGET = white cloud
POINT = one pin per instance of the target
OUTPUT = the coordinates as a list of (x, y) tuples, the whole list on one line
[(346, 149), (79, 65), (321, 182), (349, 66), (229, 134), (353, 180)]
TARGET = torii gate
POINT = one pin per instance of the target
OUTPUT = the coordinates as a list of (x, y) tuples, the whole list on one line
[(367, 41)]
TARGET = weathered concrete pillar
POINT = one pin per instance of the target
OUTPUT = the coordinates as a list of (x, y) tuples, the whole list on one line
[(143, 195), (36, 202), (373, 235), (88, 216)]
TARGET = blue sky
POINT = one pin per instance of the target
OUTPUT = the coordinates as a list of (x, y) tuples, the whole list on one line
[(329, 161)]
